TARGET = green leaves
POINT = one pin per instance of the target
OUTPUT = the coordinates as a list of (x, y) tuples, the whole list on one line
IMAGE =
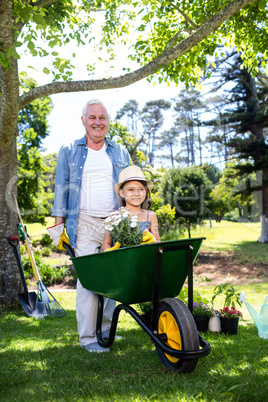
[(262, 4), (228, 292)]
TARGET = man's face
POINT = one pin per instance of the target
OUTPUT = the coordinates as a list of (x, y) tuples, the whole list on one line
[(96, 123)]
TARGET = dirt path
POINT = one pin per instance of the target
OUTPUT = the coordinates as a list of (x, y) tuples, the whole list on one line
[(216, 267), (210, 268)]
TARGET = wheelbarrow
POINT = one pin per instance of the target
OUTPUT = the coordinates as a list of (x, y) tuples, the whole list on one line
[(153, 272)]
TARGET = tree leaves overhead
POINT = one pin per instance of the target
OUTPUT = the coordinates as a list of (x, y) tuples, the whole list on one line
[(146, 27)]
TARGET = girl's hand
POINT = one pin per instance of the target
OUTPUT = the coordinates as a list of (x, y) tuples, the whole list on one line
[(147, 237), (115, 247)]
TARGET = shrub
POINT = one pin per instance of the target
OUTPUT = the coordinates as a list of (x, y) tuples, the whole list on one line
[(145, 307), (60, 273), (46, 273), (73, 273), (166, 218), (45, 252), (49, 274), (46, 240)]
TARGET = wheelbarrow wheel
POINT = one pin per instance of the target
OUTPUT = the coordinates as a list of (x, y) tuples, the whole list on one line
[(176, 321)]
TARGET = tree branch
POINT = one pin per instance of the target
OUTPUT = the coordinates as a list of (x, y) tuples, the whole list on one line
[(164, 59), (185, 16), (210, 7)]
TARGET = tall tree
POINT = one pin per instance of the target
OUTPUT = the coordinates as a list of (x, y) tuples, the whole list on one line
[(233, 193), (188, 107), (131, 113), (247, 119), (168, 139), (218, 128), (176, 46), (152, 118)]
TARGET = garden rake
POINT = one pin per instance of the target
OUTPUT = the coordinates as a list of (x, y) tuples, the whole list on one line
[(44, 305)]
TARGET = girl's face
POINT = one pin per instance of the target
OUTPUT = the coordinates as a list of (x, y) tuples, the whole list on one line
[(134, 193)]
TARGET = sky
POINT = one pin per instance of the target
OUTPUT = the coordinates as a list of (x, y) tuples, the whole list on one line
[(65, 119)]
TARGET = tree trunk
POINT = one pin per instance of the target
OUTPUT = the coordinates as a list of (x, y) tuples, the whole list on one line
[(10, 282), (264, 208), (171, 154)]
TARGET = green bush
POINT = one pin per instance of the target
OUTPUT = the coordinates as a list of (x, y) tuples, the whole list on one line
[(232, 216), (22, 250), (52, 275), (166, 218), (46, 240), (73, 273), (60, 273), (46, 273), (176, 232), (49, 274), (36, 243), (45, 252), (145, 307)]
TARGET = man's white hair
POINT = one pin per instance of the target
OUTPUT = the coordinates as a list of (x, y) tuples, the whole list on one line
[(94, 102)]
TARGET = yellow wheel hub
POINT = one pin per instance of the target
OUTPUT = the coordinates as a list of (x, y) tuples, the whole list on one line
[(167, 325)]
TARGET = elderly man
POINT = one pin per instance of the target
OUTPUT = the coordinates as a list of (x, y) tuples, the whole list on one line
[(87, 170)]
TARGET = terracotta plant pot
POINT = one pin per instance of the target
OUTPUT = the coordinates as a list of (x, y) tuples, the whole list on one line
[(201, 323), (229, 325)]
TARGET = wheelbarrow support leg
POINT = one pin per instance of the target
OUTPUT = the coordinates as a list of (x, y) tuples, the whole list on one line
[(109, 342)]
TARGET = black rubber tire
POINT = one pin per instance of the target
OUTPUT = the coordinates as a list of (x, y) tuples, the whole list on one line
[(187, 331)]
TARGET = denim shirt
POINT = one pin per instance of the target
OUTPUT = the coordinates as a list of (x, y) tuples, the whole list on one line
[(71, 160)]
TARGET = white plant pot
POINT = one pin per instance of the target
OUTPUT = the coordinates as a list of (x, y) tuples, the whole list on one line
[(214, 324)]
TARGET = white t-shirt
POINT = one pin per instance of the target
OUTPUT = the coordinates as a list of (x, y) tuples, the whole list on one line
[(97, 196)]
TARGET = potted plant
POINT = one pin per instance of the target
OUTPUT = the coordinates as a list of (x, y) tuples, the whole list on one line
[(202, 313), (228, 315), (229, 320)]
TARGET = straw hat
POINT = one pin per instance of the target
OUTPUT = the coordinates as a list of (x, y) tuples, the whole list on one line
[(131, 173)]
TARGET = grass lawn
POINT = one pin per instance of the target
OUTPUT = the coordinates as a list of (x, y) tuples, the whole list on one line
[(237, 237), (42, 360)]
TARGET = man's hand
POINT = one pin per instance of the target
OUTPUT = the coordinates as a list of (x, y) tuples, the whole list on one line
[(59, 236), (115, 247), (63, 239), (147, 237)]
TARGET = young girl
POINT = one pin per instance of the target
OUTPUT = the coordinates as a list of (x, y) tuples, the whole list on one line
[(134, 190)]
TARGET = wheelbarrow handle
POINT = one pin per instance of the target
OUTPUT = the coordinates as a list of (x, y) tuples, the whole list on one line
[(69, 249)]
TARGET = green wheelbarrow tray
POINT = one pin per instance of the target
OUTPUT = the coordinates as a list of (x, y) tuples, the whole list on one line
[(127, 275)]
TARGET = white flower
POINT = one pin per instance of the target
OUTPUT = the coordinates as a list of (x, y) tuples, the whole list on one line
[(133, 224)]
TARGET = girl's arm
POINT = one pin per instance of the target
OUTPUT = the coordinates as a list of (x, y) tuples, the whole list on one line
[(154, 225), (107, 241)]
